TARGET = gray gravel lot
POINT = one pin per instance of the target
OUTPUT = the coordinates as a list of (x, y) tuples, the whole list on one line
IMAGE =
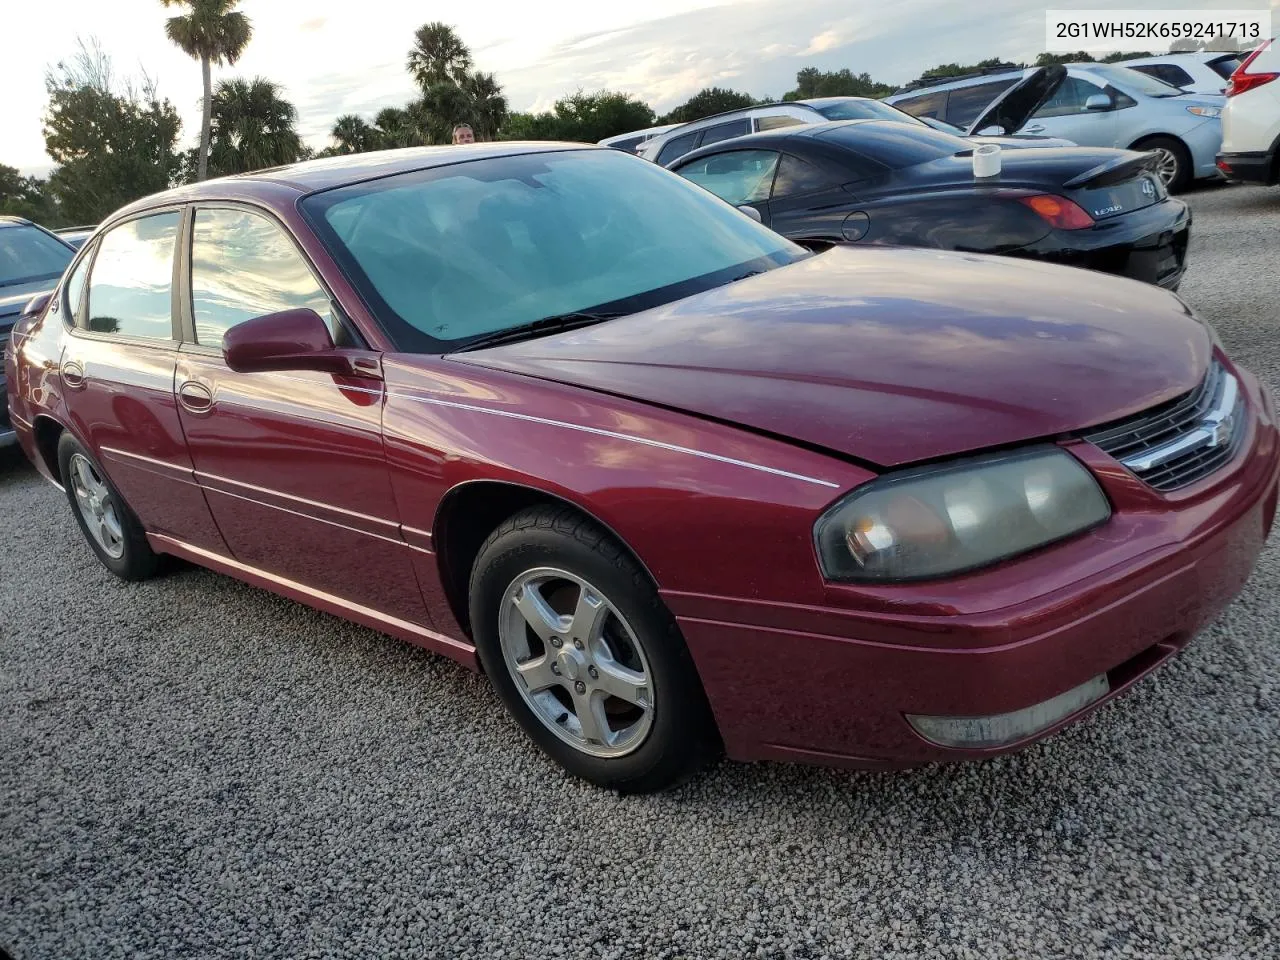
[(192, 768)]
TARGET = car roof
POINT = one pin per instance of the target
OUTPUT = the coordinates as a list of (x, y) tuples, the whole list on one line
[(823, 101), (7, 220), (809, 131), (739, 112), (310, 176), (1204, 56)]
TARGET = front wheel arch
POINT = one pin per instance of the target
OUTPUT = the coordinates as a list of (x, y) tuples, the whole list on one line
[(472, 510)]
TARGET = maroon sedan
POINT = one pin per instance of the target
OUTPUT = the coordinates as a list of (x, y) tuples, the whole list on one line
[(675, 484)]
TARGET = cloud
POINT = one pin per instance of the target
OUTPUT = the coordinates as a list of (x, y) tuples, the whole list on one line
[(312, 25), (827, 40)]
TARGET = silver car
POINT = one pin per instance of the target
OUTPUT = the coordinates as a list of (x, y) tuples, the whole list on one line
[(1092, 104)]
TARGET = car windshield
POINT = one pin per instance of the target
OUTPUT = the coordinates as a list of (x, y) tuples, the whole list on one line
[(854, 109), (454, 253), (28, 254), (1132, 81)]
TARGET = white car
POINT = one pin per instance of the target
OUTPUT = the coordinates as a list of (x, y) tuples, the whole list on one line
[(673, 144), (1194, 72), (1251, 119), (631, 142)]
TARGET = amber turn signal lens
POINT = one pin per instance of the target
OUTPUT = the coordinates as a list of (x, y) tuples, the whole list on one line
[(1059, 211)]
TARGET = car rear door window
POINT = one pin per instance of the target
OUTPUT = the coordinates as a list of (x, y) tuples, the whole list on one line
[(244, 266), (742, 176), (797, 177), (131, 287), (725, 131), (676, 148), (924, 105), (964, 104)]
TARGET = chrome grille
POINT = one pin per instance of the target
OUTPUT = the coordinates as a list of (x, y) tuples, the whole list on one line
[(1184, 440)]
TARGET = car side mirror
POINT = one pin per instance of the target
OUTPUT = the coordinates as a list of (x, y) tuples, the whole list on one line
[(992, 132), (288, 340), (751, 212), (1099, 101), (36, 305)]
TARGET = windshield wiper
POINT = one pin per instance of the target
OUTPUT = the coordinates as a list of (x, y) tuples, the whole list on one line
[(535, 328)]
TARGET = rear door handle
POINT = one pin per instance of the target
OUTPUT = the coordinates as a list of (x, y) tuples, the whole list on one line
[(72, 374), (195, 397)]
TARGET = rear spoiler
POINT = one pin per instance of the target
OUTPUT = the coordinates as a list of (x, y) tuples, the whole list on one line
[(1114, 171)]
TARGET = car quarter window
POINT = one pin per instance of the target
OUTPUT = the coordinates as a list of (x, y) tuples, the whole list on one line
[(1069, 98), (73, 290), (244, 266), (1167, 72), (796, 177), (674, 149), (964, 104), (741, 176), (777, 123), (725, 131), (131, 286)]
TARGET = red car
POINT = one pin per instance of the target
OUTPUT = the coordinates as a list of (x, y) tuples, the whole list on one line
[(675, 484)]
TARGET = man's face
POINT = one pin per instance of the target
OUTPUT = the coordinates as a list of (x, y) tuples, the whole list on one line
[(465, 135)]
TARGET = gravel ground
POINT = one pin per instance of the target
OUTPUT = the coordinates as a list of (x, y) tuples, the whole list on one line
[(192, 767)]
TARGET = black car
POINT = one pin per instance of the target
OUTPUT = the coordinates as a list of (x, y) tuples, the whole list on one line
[(880, 182), (31, 262)]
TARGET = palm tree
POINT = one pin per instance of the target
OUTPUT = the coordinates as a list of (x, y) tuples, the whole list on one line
[(487, 105), (438, 55), (352, 134), (252, 126), (212, 32)]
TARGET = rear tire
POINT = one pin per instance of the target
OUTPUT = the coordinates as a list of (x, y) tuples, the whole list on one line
[(585, 655), (112, 530), (1175, 161)]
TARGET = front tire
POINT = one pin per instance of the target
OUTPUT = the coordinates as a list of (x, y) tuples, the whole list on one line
[(1174, 161), (112, 530), (585, 655)]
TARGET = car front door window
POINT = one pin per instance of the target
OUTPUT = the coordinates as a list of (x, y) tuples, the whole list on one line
[(244, 266), (742, 176)]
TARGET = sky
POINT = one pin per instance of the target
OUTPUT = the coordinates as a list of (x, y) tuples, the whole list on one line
[(336, 56)]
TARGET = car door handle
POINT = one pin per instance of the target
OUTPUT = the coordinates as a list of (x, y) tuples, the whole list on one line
[(1034, 128), (72, 374), (195, 397)]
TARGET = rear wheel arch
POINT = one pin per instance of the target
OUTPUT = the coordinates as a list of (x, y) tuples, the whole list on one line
[(48, 432), (470, 512), (1151, 140)]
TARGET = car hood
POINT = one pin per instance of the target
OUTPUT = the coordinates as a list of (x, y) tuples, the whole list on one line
[(14, 298), (891, 355), (1016, 105)]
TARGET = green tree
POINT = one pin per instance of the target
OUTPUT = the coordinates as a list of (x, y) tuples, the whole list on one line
[(1049, 59), (251, 127), (812, 82), (707, 103), (959, 70), (438, 55), (1118, 57), (213, 31), (113, 142), (582, 117), (353, 134), (27, 197)]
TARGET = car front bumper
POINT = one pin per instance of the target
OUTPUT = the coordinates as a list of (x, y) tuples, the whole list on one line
[(1247, 167), (1148, 245), (835, 685)]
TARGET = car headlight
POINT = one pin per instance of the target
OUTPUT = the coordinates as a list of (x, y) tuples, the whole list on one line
[(936, 521), (1205, 111)]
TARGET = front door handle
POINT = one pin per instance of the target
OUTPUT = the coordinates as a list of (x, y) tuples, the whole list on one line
[(72, 374), (1034, 128), (195, 397)]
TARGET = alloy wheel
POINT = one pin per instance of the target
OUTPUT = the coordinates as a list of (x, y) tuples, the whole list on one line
[(1166, 165), (576, 662), (97, 507)]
